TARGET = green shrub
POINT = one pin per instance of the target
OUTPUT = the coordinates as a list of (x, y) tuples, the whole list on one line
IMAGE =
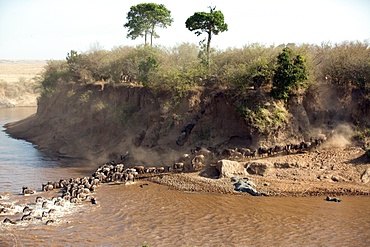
[(55, 72), (146, 67), (85, 97), (290, 74), (264, 118), (362, 134)]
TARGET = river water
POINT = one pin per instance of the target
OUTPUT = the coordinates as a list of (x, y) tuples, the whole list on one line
[(133, 215)]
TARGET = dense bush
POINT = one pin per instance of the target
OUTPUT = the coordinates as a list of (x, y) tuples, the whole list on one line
[(266, 118), (346, 64), (290, 74), (55, 72), (263, 114), (250, 66)]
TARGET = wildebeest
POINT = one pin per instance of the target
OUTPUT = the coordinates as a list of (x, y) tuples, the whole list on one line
[(246, 152), (332, 199), (139, 169), (151, 169), (9, 221), (197, 162), (178, 167), (47, 187), (263, 151), (160, 169), (27, 191), (305, 145), (278, 149)]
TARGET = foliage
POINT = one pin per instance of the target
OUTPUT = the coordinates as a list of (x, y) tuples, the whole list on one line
[(251, 66), (15, 89), (85, 97), (55, 72), (181, 56), (210, 23), (173, 81), (362, 134), (177, 70), (290, 74), (260, 72), (347, 65), (72, 57), (264, 118), (144, 18), (145, 67), (256, 73)]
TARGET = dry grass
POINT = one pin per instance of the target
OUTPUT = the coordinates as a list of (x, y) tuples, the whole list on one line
[(11, 71), (17, 82)]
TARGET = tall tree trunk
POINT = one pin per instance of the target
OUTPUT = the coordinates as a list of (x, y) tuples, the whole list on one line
[(151, 36), (146, 34), (209, 48)]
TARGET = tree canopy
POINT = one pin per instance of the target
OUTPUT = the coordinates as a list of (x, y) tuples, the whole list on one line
[(210, 23), (290, 74), (144, 18)]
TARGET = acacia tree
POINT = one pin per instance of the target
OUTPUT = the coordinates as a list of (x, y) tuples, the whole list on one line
[(210, 23), (290, 74), (144, 18)]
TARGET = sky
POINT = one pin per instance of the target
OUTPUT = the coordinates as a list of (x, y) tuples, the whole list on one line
[(49, 29)]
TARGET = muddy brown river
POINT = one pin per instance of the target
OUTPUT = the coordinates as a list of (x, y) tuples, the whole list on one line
[(134, 215)]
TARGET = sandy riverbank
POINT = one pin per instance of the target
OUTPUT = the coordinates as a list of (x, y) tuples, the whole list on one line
[(333, 172)]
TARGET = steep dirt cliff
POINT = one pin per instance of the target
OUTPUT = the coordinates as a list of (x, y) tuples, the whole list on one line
[(102, 124), (112, 122)]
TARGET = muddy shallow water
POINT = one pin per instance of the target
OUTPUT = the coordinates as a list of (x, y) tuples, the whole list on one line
[(128, 215), (131, 215)]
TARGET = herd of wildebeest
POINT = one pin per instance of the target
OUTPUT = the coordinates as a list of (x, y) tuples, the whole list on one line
[(75, 190)]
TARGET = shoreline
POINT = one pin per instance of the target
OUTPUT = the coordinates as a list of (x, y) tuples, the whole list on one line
[(346, 174), (187, 182)]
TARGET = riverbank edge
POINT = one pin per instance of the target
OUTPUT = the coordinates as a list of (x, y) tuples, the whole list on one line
[(192, 182)]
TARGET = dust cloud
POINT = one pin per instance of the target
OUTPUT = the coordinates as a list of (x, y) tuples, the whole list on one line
[(148, 157), (333, 109), (340, 137)]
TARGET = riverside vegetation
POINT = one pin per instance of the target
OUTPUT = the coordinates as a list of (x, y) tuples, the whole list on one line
[(278, 74)]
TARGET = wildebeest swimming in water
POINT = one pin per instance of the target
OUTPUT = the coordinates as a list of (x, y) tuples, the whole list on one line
[(9, 221), (27, 191), (332, 199)]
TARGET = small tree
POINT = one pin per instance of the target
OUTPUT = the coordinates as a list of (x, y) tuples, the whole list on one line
[(210, 23), (290, 74), (145, 67), (72, 56), (260, 71), (144, 18)]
